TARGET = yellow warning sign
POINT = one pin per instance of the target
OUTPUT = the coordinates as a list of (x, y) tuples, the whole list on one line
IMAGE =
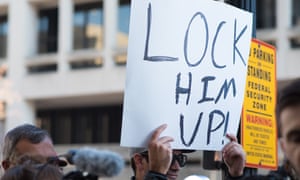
[(258, 125)]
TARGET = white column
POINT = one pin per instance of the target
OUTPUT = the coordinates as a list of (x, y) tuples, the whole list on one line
[(21, 44), (65, 34), (283, 15), (110, 30)]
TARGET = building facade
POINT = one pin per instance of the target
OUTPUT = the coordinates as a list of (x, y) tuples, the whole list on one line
[(63, 65)]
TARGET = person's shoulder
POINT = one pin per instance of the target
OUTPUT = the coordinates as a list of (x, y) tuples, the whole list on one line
[(283, 172), (279, 174), (262, 177)]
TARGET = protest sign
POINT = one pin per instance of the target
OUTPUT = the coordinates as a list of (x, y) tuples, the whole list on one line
[(259, 129), (186, 67)]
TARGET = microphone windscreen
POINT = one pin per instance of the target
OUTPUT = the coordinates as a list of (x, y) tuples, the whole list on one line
[(101, 163)]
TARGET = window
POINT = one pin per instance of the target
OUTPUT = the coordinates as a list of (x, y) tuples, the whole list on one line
[(295, 42), (123, 22), (101, 124), (42, 69), (48, 31), (123, 31), (88, 26), (3, 36), (296, 13), (265, 14), (86, 63)]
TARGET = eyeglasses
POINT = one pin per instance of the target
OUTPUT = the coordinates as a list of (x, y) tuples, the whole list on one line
[(50, 169), (54, 160), (180, 158)]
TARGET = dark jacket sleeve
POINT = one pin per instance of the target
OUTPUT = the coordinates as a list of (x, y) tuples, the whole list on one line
[(155, 176), (229, 177), (280, 174), (248, 172)]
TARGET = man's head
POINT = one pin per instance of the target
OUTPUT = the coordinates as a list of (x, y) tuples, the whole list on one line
[(26, 140), (288, 116), (33, 170), (140, 162)]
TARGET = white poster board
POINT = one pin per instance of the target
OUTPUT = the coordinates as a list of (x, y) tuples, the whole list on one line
[(186, 67)]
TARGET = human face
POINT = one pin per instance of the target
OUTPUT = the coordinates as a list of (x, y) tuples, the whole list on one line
[(290, 130), (44, 149), (174, 168)]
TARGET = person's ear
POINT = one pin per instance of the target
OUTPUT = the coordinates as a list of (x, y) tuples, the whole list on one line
[(5, 164), (282, 144), (138, 161)]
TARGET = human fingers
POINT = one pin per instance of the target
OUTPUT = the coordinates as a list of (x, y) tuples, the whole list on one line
[(165, 139), (160, 151), (228, 146), (158, 131), (231, 137), (234, 150), (234, 155), (161, 144)]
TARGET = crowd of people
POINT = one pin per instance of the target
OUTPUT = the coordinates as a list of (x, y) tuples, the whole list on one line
[(28, 151)]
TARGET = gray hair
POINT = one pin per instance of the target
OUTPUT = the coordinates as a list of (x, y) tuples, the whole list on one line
[(28, 132)]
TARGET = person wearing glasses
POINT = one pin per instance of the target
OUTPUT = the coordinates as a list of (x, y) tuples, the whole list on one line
[(158, 161), (31, 141), (161, 162), (30, 168)]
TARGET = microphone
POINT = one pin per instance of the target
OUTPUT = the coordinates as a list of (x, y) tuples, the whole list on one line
[(101, 163)]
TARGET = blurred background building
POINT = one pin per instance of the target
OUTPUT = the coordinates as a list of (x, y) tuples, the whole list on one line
[(62, 66)]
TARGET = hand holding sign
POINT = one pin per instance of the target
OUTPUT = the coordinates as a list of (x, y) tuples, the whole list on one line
[(160, 151), (234, 156), (186, 64)]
